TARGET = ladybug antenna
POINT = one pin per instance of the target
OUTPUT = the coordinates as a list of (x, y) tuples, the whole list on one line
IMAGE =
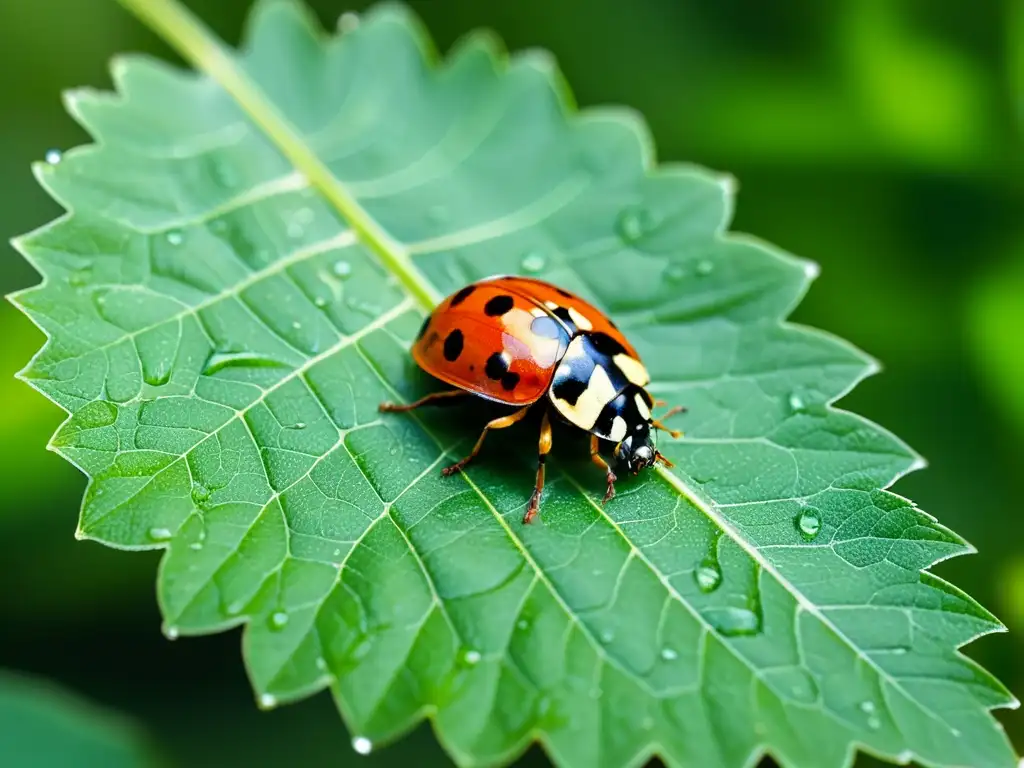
[(658, 456)]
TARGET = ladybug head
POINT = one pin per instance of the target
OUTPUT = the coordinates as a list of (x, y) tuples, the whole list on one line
[(636, 451)]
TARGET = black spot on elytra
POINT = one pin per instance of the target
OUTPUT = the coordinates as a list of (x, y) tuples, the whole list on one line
[(462, 295), (605, 344), (498, 306), (453, 346), (606, 418), (509, 381), (545, 327), (423, 328), (569, 390), (496, 366), (563, 314)]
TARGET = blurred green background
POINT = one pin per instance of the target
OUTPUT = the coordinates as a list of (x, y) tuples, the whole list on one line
[(881, 138)]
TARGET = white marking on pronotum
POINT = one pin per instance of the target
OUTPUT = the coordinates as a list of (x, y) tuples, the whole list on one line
[(633, 369), (641, 406), (618, 430)]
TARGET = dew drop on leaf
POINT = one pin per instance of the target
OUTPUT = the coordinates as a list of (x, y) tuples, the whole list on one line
[(160, 534), (735, 621), (53, 156), (156, 376), (362, 745), (867, 706), (196, 545), (200, 494), (171, 633), (607, 636), (299, 425), (634, 223), (708, 576), (320, 302), (796, 402), (321, 664), (174, 237), (235, 608), (808, 523), (278, 620), (347, 22), (668, 654), (268, 700), (705, 267), (533, 262), (874, 723), (522, 624), (472, 657), (675, 272), (341, 268)]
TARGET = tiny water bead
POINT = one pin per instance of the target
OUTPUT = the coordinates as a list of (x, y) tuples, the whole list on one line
[(196, 545), (160, 534), (171, 633), (268, 700), (533, 261), (320, 302), (347, 22), (668, 654), (299, 425), (174, 237), (472, 657), (607, 636), (278, 620), (796, 402), (522, 624), (708, 576), (362, 745), (634, 223), (53, 156), (675, 272), (808, 523), (705, 267), (341, 269), (867, 707), (735, 621)]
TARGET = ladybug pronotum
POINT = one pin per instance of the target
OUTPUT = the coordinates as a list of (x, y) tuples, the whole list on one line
[(514, 340)]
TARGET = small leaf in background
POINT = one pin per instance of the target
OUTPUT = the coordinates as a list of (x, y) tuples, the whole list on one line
[(247, 256), (44, 726)]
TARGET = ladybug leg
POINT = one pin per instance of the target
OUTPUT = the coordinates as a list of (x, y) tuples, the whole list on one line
[(500, 423), (599, 460), (656, 423), (430, 399), (544, 448)]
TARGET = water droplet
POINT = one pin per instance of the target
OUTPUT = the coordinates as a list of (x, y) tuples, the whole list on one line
[(80, 276), (705, 267), (296, 325), (171, 633), (337, 552), (235, 608), (522, 624), (196, 545), (174, 237), (796, 402), (607, 636), (808, 523), (200, 494), (472, 657), (160, 534), (634, 223), (361, 744), (347, 22), (874, 723), (675, 272), (533, 261), (342, 269), (299, 425), (321, 664), (669, 654), (437, 213), (268, 700), (53, 156), (278, 620), (734, 621), (157, 376), (867, 707), (708, 576), (320, 302)]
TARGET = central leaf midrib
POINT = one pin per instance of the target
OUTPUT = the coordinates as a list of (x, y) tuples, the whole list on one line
[(196, 44)]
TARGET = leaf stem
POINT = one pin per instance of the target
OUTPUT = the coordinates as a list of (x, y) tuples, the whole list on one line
[(198, 45)]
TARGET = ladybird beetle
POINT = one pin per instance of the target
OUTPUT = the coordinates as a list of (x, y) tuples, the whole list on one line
[(513, 340)]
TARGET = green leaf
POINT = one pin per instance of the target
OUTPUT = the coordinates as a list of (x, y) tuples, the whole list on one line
[(43, 726), (247, 255)]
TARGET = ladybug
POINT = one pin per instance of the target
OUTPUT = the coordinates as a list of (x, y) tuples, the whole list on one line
[(521, 341)]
